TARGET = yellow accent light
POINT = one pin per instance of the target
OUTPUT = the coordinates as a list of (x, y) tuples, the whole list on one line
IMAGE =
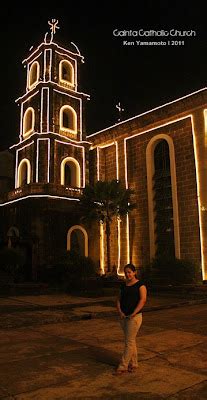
[(48, 45), (97, 164), (48, 160), (70, 70), (19, 176), (80, 228), (128, 240), (147, 112), (77, 174), (150, 172), (203, 261), (83, 152), (42, 111), (38, 196), (47, 68), (98, 157), (28, 122), (102, 257), (34, 75), (17, 161), (119, 247), (205, 121), (70, 112)]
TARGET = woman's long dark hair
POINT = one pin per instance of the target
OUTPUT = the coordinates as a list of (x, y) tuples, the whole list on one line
[(130, 266)]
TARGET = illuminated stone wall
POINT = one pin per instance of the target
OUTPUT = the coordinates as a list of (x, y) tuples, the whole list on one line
[(182, 124)]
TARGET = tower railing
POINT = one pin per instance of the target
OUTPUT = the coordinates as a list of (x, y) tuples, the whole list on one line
[(45, 189)]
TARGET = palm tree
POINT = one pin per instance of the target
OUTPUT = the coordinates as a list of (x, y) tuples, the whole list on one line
[(103, 201)]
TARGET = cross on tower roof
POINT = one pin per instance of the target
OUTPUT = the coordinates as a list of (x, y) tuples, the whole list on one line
[(120, 110), (53, 27)]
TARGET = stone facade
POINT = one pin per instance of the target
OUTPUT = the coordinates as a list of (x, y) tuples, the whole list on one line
[(55, 159)]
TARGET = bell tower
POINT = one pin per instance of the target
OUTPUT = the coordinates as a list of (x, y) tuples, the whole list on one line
[(52, 154), (52, 148)]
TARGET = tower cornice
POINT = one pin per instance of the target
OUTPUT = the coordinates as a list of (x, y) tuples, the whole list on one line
[(48, 135), (51, 45), (56, 86)]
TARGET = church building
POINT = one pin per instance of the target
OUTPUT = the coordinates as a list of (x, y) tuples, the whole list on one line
[(160, 154)]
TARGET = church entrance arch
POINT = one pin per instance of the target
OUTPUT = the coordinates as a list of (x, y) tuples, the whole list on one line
[(77, 240)]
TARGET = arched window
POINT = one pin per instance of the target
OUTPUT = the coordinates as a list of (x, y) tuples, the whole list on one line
[(34, 74), (68, 119), (70, 172), (13, 232), (28, 122), (69, 175), (162, 197), (77, 240), (24, 173), (163, 206), (12, 236), (66, 72)]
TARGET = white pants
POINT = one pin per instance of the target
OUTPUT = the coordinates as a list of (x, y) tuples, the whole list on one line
[(130, 328)]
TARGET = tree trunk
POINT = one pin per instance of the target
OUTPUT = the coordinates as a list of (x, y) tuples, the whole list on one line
[(108, 254)]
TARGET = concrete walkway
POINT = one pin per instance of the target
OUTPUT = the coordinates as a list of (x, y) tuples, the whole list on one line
[(60, 307), (65, 301), (45, 358)]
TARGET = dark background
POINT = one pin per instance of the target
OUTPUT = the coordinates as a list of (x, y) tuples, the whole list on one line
[(140, 78)]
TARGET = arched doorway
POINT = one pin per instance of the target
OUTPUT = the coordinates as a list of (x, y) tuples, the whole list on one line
[(77, 240)]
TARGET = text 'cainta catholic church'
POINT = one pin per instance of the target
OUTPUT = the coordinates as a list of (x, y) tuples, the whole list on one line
[(160, 154)]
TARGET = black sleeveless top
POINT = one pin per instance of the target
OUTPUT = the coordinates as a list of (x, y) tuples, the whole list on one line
[(130, 297)]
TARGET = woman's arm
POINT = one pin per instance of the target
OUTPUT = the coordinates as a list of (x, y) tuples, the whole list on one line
[(122, 315), (142, 301)]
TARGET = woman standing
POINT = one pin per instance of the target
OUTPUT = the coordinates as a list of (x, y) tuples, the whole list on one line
[(133, 295)]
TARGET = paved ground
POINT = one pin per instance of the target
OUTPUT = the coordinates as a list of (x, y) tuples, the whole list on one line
[(61, 347)]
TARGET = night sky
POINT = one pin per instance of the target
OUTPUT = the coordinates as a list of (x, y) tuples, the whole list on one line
[(140, 77)]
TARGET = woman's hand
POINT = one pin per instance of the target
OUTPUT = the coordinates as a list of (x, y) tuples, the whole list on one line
[(132, 316)]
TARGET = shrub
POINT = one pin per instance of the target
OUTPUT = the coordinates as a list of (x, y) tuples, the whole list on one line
[(171, 271), (79, 266), (79, 271), (11, 261), (70, 271)]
